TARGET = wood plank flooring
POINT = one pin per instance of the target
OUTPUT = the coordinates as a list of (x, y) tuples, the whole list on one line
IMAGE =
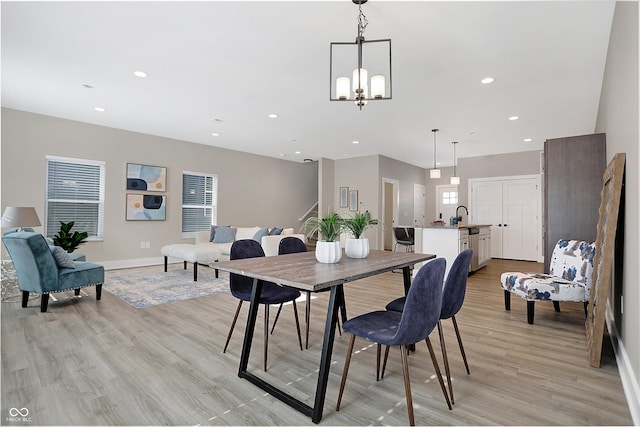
[(88, 362)]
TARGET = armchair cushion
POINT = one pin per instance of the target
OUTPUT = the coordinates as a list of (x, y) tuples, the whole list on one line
[(63, 260)]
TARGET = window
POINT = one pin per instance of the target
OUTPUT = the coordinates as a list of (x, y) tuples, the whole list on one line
[(75, 192), (199, 202), (450, 198)]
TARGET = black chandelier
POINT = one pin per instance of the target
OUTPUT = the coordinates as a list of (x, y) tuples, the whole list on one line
[(341, 63)]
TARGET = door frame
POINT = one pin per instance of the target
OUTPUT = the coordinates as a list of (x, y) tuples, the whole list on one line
[(540, 225), (395, 204)]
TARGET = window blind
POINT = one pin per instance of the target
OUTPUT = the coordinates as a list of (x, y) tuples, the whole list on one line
[(75, 192), (199, 202)]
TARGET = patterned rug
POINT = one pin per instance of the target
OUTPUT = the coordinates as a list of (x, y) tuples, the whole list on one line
[(148, 286)]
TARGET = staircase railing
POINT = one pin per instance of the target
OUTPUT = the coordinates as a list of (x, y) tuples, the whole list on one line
[(312, 209)]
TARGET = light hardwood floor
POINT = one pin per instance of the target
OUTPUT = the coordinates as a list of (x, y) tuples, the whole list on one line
[(107, 363)]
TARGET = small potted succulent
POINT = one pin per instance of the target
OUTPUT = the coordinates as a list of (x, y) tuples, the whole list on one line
[(357, 246), (329, 228)]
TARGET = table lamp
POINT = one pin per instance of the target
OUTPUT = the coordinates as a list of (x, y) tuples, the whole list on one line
[(20, 217)]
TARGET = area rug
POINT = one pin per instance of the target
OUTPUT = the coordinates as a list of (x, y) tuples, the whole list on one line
[(148, 286)]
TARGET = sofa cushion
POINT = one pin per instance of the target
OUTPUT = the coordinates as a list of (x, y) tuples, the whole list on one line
[(275, 231), (213, 232), (62, 258), (246, 232), (224, 235), (260, 233)]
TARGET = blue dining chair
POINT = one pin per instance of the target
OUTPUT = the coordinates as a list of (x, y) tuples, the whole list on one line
[(414, 324), (292, 245), (241, 287), (452, 299)]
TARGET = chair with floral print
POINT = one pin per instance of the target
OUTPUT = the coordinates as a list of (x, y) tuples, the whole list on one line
[(569, 278)]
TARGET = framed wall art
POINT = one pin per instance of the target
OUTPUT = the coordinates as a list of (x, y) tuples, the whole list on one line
[(353, 200), (344, 197), (146, 207), (146, 178)]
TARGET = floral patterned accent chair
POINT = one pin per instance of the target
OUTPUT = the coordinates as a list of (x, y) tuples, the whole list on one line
[(569, 278)]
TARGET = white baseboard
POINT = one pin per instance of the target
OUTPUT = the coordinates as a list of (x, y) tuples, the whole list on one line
[(625, 370)]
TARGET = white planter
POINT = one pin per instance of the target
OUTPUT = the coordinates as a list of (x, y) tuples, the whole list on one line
[(328, 252), (357, 248)]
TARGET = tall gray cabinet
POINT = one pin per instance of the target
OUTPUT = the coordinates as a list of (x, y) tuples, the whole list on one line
[(573, 169)]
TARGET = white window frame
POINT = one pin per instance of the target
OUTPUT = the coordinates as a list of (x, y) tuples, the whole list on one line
[(100, 202), (214, 202)]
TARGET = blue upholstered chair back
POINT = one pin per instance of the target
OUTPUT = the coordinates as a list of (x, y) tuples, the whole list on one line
[(423, 304), (34, 263), (456, 285), (291, 245)]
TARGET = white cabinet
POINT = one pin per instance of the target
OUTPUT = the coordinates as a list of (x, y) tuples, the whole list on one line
[(484, 246)]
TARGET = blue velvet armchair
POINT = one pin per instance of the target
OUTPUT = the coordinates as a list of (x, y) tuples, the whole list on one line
[(38, 269)]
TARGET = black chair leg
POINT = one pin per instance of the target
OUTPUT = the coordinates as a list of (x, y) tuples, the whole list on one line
[(404, 351), (464, 356), (295, 315), (531, 305), (446, 361), (76, 292), (556, 306), (345, 370), (25, 298), (276, 319), (233, 325), (586, 308), (266, 334), (98, 292), (44, 301), (438, 374), (384, 364), (507, 300)]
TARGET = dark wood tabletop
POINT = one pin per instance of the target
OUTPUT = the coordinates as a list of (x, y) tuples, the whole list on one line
[(304, 272)]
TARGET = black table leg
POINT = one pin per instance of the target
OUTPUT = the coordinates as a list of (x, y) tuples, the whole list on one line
[(336, 300), (251, 325), (406, 278)]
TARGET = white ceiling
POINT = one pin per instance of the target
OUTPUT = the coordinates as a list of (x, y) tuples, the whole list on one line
[(239, 61)]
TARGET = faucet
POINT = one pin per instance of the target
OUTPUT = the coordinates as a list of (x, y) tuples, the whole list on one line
[(459, 218)]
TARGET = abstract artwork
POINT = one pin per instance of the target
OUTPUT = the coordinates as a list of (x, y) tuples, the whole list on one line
[(344, 197), (146, 178), (146, 207), (353, 200)]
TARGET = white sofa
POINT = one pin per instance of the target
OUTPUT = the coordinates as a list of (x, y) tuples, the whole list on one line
[(269, 243)]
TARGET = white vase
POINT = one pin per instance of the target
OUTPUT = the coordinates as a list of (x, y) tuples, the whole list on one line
[(328, 252), (357, 248)]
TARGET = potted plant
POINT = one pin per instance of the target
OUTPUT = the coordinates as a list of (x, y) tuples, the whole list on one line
[(328, 249), (66, 239), (358, 246)]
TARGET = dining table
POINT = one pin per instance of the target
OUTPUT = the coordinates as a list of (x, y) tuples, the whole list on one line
[(302, 271)]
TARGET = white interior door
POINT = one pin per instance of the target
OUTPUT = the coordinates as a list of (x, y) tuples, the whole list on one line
[(521, 224), (486, 208), (418, 205), (512, 207), (446, 201)]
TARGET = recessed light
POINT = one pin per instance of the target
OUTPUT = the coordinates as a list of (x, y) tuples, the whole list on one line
[(273, 116), (512, 118), (100, 109), (215, 134), (283, 155), (487, 80), (87, 86), (297, 152), (355, 142), (527, 140), (141, 74)]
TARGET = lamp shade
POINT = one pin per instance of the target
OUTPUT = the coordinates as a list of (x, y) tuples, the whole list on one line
[(342, 87), (19, 217), (360, 81), (377, 86), (455, 180), (434, 173)]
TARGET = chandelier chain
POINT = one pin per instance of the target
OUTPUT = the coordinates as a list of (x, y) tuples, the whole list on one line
[(362, 21)]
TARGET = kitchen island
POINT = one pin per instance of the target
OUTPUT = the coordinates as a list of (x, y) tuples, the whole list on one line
[(447, 241)]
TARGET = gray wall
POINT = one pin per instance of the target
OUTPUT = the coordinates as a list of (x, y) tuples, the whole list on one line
[(252, 190), (618, 118)]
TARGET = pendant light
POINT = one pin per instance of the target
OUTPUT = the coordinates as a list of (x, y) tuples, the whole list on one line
[(434, 173), (455, 179)]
